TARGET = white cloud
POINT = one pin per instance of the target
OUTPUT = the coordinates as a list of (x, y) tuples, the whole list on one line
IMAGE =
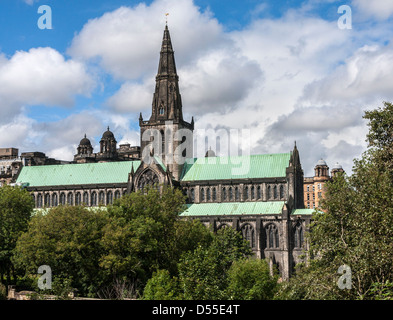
[(133, 97), (366, 77), (126, 42), (40, 76), (380, 9), (297, 77)]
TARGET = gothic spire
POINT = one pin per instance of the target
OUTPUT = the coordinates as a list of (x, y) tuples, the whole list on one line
[(167, 100)]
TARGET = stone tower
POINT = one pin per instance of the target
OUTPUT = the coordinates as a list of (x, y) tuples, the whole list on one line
[(166, 135)]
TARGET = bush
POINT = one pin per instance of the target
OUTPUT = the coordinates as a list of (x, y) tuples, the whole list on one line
[(161, 286), (250, 279)]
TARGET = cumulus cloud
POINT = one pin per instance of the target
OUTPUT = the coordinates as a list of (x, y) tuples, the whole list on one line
[(294, 77), (218, 80), (133, 97), (380, 9), (40, 76), (366, 77), (126, 42)]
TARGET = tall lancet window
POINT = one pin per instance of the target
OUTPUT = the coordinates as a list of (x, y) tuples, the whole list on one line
[(272, 236), (163, 151), (161, 110), (248, 234), (298, 236)]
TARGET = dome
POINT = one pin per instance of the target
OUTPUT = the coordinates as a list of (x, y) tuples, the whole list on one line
[(337, 166), (321, 162), (85, 142), (210, 153), (108, 134)]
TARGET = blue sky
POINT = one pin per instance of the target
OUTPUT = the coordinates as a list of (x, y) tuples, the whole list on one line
[(282, 69)]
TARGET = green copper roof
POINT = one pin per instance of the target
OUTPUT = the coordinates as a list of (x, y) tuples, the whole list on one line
[(236, 167), (303, 211), (233, 208), (75, 174)]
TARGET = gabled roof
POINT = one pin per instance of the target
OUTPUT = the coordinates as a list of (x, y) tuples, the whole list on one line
[(234, 208), (77, 174), (236, 167)]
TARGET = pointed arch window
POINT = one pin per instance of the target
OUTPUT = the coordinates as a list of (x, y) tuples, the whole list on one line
[(101, 198), (230, 194), (246, 193), (148, 178), (62, 199), (259, 195), (237, 194), (70, 199), (202, 195), (275, 192), (248, 234), (86, 198), (55, 201), (208, 195), (269, 192), (224, 193), (93, 201), (162, 133), (47, 200), (273, 240), (39, 200), (117, 194), (281, 192), (192, 195), (298, 236), (78, 199), (161, 110), (252, 192), (109, 198), (214, 194)]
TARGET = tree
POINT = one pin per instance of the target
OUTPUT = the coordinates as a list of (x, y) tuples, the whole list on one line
[(146, 234), (161, 286), (250, 279), (203, 272), (357, 226), (68, 239), (16, 207)]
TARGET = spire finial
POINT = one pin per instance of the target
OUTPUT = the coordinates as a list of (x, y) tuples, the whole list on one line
[(85, 135), (166, 18), (108, 128)]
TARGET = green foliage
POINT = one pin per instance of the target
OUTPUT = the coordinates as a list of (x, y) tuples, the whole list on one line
[(68, 239), (16, 206), (146, 234), (161, 286), (250, 279), (357, 226), (203, 272), (382, 291), (380, 135)]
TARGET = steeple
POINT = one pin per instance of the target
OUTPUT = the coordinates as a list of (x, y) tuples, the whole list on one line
[(174, 142), (167, 103)]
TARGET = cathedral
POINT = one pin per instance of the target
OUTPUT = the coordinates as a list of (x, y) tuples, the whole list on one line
[(265, 203)]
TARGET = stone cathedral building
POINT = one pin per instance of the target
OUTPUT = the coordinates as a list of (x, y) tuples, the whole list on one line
[(264, 202)]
